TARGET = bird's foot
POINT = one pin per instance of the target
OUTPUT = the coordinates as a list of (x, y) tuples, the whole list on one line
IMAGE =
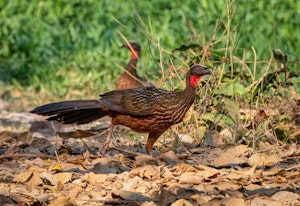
[(103, 149), (107, 142)]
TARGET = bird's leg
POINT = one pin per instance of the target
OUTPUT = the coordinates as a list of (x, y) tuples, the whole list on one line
[(108, 139), (153, 136)]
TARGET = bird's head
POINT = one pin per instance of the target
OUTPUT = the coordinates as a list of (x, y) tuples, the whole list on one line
[(196, 72), (134, 48)]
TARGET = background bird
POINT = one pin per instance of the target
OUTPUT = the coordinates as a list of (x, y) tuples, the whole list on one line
[(129, 79)]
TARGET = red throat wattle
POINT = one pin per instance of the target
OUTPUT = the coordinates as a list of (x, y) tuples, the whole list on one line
[(194, 80), (134, 55)]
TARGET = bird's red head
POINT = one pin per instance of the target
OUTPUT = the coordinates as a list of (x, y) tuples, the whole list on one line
[(196, 72), (134, 48)]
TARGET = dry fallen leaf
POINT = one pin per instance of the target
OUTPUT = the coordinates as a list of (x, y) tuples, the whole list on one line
[(96, 194), (265, 201), (263, 159), (187, 141), (207, 172), (148, 204), (141, 160), (170, 157), (201, 199), (272, 171), (40, 143), (34, 181), (63, 177), (7, 136), (148, 171), (183, 167), (105, 166), (286, 198), (213, 138), (291, 150), (127, 195), (252, 189), (241, 174), (233, 186), (95, 179), (46, 176), (228, 159), (233, 201), (63, 201), (166, 197), (42, 198), (23, 177), (22, 198), (232, 156), (181, 202), (192, 179)]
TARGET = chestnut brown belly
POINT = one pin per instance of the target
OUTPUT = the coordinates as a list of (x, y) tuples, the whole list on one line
[(142, 124)]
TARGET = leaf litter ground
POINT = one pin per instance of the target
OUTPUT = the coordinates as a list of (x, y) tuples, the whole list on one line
[(46, 163)]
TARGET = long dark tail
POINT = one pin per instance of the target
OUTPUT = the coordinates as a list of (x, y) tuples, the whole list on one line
[(76, 111)]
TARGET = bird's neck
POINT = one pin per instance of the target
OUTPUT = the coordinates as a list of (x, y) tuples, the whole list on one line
[(191, 84), (193, 81), (131, 66), (186, 98), (190, 90)]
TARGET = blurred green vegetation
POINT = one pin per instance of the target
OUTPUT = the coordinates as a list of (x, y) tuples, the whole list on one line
[(60, 46)]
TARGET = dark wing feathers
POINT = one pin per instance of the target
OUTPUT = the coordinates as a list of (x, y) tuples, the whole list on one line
[(139, 101)]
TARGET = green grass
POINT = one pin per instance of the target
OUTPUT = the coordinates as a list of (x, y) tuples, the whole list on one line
[(43, 42)]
